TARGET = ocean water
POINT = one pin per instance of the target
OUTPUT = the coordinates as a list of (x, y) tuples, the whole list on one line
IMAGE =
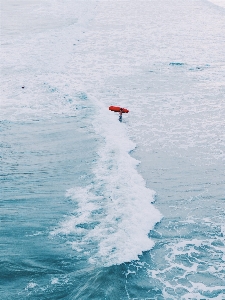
[(92, 208)]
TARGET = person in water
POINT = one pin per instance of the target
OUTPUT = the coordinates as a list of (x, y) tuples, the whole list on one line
[(121, 113)]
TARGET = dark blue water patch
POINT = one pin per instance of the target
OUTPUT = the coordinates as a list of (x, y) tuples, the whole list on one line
[(184, 259), (199, 68), (40, 161), (88, 226), (176, 64), (82, 96), (76, 282), (206, 278), (41, 153), (213, 294), (102, 283), (40, 269), (217, 243), (196, 69), (138, 282), (144, 289), (174, 228)]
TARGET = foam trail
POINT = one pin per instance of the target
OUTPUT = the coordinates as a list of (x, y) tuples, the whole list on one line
[(114, 214)]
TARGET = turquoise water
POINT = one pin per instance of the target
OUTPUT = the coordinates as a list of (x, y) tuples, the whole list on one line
[(92, 208)]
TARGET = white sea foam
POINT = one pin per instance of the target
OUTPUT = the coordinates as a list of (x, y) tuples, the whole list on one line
[(34, 64), (54, 280), (115, 213), (184, 260), (31, 285), (218, 2), (38, 15)]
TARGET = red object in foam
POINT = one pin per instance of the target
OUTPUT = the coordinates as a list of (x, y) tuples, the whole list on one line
[(117, 109)]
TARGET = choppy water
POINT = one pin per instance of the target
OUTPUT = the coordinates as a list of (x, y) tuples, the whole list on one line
[(77, 186)]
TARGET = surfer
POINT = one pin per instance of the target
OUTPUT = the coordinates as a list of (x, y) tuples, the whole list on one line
[(121, 113)]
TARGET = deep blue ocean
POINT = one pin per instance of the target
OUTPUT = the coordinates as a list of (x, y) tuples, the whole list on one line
[(94, 208)]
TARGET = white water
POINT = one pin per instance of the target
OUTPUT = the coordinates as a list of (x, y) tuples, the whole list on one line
[(115, 214), (168, 69), (218, 2)]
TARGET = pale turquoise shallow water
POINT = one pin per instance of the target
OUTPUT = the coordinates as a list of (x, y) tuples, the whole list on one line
[(76, 218)]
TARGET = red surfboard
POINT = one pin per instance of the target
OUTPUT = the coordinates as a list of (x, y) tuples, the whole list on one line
[(117, 109)]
